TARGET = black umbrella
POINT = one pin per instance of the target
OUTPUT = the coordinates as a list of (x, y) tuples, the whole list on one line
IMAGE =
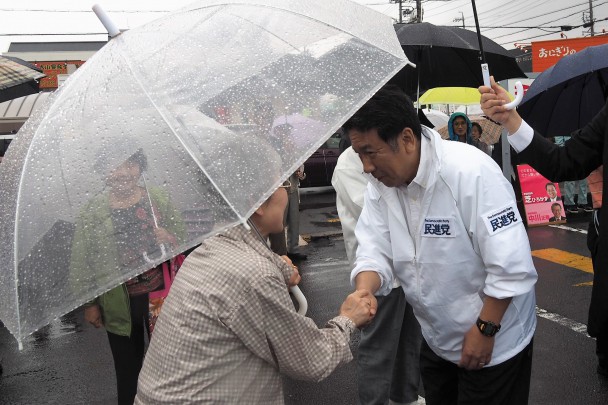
[(569, 94), (448, 57), (18, 78)]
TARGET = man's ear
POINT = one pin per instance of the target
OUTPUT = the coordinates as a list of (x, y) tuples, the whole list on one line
[(409, 139)]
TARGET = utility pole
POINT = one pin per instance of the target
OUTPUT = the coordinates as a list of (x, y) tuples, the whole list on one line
[(419, 10), (591, 17), (460, 19), (400, 9)]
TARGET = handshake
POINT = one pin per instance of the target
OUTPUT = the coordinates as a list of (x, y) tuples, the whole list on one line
[(360, 307)]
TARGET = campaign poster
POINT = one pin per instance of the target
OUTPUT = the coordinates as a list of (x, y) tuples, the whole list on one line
[(541, 197)]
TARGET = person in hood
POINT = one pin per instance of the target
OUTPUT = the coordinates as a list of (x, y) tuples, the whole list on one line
[(459, 128)]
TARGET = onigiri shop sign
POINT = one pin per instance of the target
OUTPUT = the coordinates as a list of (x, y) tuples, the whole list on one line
[(547, 53)]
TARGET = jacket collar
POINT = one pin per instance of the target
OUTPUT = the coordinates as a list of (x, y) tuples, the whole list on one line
[(240, 233)]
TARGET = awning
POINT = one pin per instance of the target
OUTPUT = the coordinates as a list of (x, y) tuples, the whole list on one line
[(14, 113)]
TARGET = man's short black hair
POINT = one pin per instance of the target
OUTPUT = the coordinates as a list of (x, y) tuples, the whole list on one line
[(549, 184), (556, 205), (389, 111)]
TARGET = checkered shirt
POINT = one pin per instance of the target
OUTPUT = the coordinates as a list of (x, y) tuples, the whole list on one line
[(228, 329)]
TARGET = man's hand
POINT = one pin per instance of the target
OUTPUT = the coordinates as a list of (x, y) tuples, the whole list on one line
[(476, 350), (492, 104), (360, 307), (92, 314)]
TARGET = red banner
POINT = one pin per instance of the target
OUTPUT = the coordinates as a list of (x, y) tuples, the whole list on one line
[(546, 53)]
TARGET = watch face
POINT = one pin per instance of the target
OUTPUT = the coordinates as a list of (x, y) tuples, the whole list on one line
[(487, 328)]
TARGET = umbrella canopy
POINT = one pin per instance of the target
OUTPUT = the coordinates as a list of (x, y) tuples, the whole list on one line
[(18, 78), (190, 99), (451, 95), (448, 57), (491, 131), (569, 94)]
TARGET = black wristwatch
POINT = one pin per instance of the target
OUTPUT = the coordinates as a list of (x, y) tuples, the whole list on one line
[(487, 328)]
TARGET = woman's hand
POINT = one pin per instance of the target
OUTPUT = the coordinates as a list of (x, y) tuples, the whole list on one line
[(92, 314), (295, 278)]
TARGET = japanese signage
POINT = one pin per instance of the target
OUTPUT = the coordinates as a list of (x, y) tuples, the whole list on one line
[(547, 53), (52, 69), (542, 198)]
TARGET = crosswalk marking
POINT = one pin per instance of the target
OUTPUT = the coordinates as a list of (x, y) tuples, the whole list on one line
[(563, 321), (573, 260)]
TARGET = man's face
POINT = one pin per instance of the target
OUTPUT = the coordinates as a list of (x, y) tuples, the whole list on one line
[(391, 167), (557, 211), (460, 126), (551, 191)]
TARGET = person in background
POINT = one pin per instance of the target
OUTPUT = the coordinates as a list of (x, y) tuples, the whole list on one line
[(459, 128), (572, 188), (228, 329), (441, 218), (581, 155), (389, 350), (114, 232), (289, 245), (476, 131)]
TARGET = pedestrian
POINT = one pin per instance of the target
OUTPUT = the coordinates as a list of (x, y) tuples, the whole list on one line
[(114, 232), (576, 188), (459, 128), (581, 155), (476, 132), (388, 357), (228, 328), (440, 217)]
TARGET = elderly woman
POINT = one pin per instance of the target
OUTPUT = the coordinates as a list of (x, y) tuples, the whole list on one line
[(228, 328), (119, 231)]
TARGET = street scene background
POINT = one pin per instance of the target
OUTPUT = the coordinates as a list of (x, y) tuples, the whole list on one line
[(69, 362)]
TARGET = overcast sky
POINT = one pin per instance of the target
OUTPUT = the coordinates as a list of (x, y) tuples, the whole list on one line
[(28, 17)]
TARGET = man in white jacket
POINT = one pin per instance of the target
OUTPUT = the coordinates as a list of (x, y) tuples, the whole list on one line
[(389, 349), (444, 219)]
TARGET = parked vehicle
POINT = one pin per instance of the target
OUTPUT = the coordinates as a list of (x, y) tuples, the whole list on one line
[(319, 167)]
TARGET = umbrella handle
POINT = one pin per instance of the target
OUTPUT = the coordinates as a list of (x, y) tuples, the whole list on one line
[(300, 299), (163, 252), (519, 95)]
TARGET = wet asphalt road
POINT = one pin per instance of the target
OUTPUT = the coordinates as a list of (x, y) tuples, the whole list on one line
[(69, 362)]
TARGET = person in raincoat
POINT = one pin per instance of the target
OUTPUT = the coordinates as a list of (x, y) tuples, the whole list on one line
[(228, 328), (580, 156), (441, 218), (113, 232), (459, 128)]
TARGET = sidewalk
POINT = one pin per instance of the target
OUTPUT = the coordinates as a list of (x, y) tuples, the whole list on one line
[(318, 214)]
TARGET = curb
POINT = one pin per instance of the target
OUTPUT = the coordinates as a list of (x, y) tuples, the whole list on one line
[(318, 235)]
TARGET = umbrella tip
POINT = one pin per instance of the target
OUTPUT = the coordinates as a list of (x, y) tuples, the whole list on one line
[(106, 20)]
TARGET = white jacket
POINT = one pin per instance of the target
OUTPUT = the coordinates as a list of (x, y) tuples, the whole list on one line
[(470, 242)]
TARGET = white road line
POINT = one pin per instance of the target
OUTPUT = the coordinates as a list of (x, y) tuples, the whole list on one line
[(569, 228), (563, 321), (327, 263)]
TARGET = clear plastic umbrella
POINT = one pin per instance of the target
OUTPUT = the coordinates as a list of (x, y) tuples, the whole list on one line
[(196, 92)]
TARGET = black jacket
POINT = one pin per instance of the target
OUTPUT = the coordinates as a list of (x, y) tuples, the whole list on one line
[(583, 153)]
